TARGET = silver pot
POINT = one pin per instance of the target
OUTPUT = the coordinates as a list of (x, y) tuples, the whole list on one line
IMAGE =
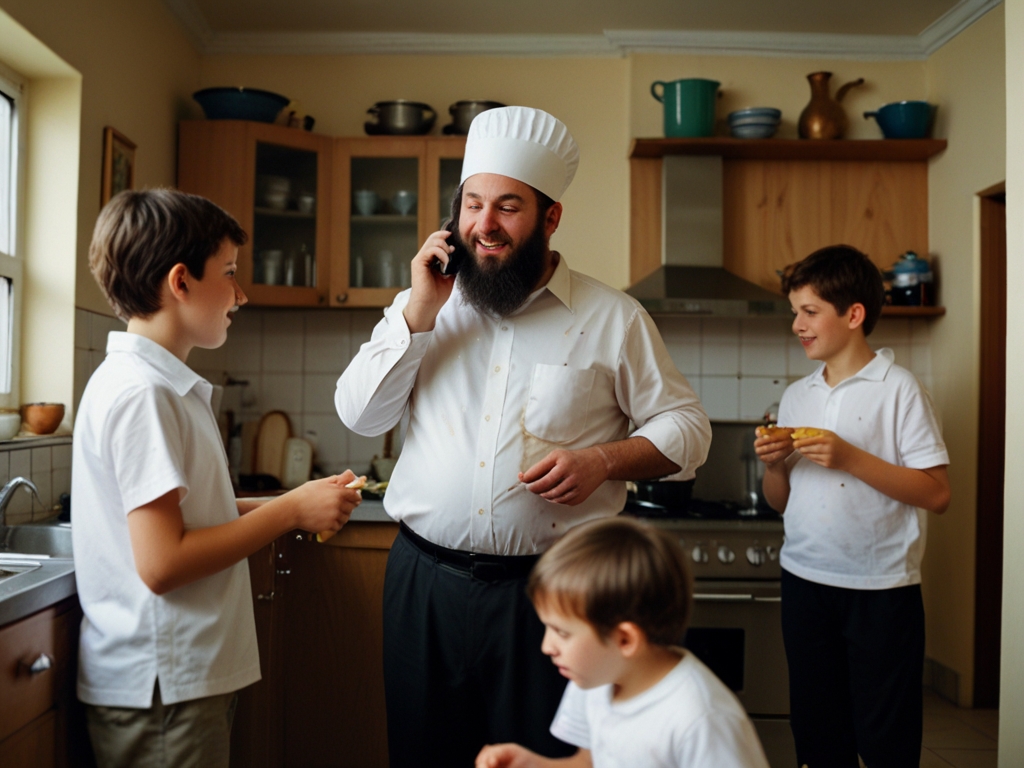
[(463, 112), (401, 118)]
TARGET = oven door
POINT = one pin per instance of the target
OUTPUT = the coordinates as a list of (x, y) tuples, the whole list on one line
[(736, 630)]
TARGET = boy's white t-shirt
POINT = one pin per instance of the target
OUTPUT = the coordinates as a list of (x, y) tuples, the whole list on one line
[(689, 718), (145, 427), (839, 530)]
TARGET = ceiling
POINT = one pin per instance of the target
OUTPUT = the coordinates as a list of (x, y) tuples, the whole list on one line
[(893, 29)]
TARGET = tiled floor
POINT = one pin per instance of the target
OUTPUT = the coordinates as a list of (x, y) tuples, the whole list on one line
[(961, 738)]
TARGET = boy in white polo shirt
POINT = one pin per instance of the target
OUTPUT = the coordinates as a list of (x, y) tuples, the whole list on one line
[(853, 498), (614, 596), (160, 542)]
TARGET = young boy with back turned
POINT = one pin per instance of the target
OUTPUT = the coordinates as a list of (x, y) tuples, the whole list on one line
[(853, 498), (615, 596), (160, 541)]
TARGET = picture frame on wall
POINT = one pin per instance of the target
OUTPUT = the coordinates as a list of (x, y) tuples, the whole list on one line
[(118, 164)]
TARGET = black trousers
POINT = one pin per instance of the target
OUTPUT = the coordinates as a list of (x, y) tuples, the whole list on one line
[(462, 665), (856, 661)]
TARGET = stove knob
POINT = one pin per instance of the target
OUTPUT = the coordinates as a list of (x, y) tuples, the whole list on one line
[(726, 555), (699, 554), (756, 555)]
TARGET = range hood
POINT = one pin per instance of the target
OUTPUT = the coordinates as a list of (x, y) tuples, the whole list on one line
[(692, 280)]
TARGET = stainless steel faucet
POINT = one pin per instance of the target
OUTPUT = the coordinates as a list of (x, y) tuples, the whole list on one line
[(8, 491)]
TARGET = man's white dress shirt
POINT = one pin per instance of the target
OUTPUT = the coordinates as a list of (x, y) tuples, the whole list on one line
[(489, 397)]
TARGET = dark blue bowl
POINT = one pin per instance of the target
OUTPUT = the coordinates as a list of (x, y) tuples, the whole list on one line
[(240, 104), (904, 119)]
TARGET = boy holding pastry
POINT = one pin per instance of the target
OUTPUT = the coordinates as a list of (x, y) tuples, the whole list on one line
[(160, 541), (856, 461), (615, 596)]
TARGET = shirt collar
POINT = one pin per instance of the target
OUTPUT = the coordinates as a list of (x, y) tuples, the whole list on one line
[(876, 370), (179, 376), (560, 282)]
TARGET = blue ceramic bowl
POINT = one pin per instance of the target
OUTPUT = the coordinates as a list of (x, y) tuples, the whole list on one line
[(240, 104), (755, 112), (904, 119)]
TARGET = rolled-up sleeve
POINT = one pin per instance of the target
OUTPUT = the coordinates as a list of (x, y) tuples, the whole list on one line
[(372, 393), (659, 400)]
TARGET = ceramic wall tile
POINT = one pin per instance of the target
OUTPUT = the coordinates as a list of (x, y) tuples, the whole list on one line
[(281, 392), (42, 460), (889, 331), (720, 396), (283, 342), (327, 342), (5, 467), (763, 347), (21, 502), (95, 359), (720, 347), (797, 362), (361, 451), (243, 351), (41, 507), (759, 392), (83, 328), (363, 323), (329, 438), (319, 391), (209, 359), (82, 372), (61, 457)]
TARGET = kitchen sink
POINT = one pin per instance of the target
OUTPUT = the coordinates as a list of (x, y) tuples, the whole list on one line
[(49, 539)]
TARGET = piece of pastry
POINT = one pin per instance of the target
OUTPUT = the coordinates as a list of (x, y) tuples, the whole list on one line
[(802, 433), (774, 433)]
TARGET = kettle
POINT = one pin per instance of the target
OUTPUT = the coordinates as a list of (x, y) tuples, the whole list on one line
[(824, 117)]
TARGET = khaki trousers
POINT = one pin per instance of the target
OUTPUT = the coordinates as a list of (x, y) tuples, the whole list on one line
[(190, 734)]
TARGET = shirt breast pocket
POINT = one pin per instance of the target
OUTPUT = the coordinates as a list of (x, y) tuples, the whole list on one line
[(558, 403)]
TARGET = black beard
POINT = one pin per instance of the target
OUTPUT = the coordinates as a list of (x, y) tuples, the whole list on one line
[(501, 288)]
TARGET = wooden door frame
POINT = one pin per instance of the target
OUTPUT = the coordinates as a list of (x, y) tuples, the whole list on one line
[(991, 449)]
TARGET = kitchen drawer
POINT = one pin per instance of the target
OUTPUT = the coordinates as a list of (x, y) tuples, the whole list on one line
[(24, 695), (34, 746)]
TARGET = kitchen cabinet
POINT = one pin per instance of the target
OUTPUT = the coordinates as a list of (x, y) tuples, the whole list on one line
[(42, 724), (319, 622), (332, 221), (375, 234), (783, 199), (277, 183)]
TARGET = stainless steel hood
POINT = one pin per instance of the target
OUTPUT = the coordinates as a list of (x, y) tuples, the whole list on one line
[(692, 280), (682, 290)]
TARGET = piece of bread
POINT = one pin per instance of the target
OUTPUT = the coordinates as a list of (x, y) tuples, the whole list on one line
[(802, 433), (356, 484), (774, 433)]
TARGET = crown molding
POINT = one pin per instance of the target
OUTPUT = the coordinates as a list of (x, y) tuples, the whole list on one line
[(613, 42)]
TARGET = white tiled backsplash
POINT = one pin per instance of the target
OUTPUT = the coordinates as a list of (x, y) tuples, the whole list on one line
[(291, 360), (48, 465)]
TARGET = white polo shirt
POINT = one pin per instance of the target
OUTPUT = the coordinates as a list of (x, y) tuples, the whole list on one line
[(839, 530), (688, 718), (145, 427)]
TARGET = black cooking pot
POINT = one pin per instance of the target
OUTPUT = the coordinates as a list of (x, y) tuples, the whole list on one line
[(671, 494)]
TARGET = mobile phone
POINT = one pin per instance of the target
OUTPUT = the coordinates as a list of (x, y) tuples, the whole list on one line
[(455, 257)]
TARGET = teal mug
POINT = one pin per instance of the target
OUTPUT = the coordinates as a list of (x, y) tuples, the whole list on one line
[(689, 106)]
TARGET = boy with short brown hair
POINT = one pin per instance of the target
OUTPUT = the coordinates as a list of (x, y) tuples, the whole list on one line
[(615, 598), (160, 541), (854, 497)]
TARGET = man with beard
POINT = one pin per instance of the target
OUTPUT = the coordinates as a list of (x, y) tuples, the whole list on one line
[(522, 380)]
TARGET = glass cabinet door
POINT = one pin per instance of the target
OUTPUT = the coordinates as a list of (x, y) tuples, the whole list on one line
[(384, 232), (284, 232)]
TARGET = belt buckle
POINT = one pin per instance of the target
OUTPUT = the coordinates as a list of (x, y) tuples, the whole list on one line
[(485, 571)]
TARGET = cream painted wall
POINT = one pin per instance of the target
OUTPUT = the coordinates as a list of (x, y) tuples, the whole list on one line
[(774, 82), (1011, 688), (138, 72), (589, 95)]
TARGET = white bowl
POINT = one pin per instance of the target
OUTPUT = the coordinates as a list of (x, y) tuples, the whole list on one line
[(10, 425)]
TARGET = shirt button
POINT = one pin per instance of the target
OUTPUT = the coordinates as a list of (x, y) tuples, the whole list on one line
[(504, 327), (479, 511), (487, 417), (401, 342), (497, 368), (482, 463)]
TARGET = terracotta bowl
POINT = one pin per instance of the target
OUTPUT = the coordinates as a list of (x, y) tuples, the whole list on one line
[(42, 418)]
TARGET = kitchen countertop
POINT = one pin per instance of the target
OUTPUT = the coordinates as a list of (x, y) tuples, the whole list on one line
[(26, 593)]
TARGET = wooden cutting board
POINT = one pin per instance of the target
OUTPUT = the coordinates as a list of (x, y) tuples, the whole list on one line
[(273, 433)]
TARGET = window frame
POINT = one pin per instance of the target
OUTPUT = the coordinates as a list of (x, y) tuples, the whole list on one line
[(12, 265)]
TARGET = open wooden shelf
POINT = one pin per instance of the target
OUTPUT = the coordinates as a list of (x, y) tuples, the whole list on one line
[(891, 311), (791, 149)]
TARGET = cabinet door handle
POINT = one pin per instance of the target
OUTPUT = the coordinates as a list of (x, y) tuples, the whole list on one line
[(341, 298), (40, 665), (267, 598), (284, 571)]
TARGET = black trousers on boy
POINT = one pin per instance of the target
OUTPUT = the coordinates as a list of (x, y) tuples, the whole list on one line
[(462, 659), (855, 673)]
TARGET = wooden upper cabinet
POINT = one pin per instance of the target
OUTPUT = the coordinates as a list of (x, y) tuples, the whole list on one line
[(783, 199), (331, 221), (277, 183)]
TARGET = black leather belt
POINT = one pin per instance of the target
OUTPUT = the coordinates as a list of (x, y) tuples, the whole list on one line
[(479, 566)]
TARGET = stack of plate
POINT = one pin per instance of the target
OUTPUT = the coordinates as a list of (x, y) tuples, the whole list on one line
[(754, 122)]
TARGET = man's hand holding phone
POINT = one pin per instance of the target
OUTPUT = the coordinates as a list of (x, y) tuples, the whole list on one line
[(430, 288)]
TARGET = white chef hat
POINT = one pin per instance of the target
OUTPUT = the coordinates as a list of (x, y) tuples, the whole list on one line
[(525, 144)]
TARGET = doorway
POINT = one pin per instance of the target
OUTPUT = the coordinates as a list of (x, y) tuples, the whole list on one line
[(988, 587)]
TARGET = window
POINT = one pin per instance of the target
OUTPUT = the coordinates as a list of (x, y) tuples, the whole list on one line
[(12, 96)]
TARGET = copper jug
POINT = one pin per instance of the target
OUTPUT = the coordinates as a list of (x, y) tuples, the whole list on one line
[(824, 117)]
